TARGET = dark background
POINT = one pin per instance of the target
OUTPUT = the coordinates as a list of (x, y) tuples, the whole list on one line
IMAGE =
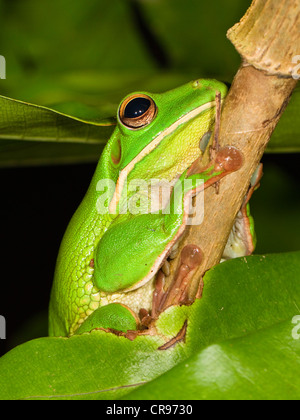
[(131, 42)]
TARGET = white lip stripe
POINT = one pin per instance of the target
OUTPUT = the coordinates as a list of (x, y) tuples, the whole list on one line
[(124, 173)]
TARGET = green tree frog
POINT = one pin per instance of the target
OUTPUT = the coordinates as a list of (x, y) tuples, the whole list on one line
[(121, 235)]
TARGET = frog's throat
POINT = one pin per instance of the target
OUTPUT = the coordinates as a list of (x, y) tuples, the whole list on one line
[(151, 146)]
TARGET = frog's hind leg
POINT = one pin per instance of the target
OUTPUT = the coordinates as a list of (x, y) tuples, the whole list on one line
[(242, 238)]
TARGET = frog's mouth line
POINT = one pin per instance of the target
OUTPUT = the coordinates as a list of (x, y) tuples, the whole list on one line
[(151, 146)]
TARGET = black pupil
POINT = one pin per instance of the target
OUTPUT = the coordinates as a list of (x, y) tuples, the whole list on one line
[(137, 107)]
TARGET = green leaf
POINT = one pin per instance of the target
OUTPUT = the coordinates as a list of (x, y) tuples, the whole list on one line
[(256, 302), (90, 366), (260, 366), (24, 121), (245, 315), (22, 124)]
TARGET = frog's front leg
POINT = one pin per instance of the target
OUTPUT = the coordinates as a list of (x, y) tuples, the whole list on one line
[(119, 267)]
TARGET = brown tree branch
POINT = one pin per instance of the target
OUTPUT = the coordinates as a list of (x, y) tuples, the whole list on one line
[(268, 37)]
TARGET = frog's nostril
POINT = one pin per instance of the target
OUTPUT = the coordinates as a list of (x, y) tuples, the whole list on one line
[(196, 84)]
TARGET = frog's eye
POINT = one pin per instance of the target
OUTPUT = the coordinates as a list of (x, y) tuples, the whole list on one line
[(137, 111)]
